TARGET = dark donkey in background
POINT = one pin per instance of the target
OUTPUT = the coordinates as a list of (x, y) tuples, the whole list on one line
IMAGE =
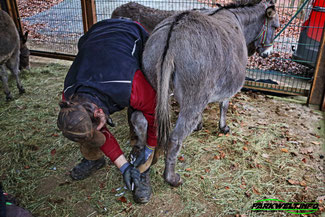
[(203, 57), (14, 53), (148, 17)]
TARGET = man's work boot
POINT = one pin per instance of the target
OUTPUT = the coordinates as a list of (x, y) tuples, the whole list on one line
[(143, 192), (86, 167)]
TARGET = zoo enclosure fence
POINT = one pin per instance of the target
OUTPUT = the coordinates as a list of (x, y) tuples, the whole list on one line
[(56, 25)]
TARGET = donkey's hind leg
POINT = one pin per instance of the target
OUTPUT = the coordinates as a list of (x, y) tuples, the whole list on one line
[(187, 121), (199, 126), (223, 112), (13, 65), (4, 77)]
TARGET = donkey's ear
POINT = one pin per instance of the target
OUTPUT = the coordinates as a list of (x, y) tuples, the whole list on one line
[(270, 11)]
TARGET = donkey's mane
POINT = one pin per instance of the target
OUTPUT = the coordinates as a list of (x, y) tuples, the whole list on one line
[(235, 6)]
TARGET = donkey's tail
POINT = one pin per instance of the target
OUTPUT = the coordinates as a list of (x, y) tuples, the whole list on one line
[(165, 68)]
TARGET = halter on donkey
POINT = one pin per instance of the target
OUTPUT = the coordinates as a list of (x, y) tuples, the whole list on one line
[(205, 56)]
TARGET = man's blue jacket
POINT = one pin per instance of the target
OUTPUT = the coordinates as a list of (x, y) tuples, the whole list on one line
[(109, 54)]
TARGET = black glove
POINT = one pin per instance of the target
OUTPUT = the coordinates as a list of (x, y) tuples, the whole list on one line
[(130, 175)]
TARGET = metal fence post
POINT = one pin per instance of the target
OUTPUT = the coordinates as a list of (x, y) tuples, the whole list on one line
[(317, 91), (11, 7), (89, 16)]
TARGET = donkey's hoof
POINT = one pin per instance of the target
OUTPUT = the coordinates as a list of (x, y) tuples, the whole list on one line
[(225, 130), (21, 90), (174, 180), (9, 97), (199, 126)]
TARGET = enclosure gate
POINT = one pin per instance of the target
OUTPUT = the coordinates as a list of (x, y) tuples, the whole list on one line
[(55, 27)]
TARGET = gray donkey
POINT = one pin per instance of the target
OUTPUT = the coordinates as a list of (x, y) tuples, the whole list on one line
[(202, 57), (14, 53)]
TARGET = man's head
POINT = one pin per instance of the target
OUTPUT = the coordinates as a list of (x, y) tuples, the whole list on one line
[(80, 121), (74, 121)]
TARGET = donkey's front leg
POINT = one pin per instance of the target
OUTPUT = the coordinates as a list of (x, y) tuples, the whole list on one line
[(13, 65), (4, 77), (223, 112)]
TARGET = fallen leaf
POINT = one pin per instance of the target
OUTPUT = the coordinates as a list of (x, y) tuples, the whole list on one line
[(187, 175), (207, 149), (222, 155), (304, 160), (207, 170), (102, 185), (315, 143), (53, 152), (242, 186), (284, 150), (181, 159), (220, 134), (245, 148), (188, 169), (227, 188), (122, 199), (293, 182), (258, 165), (202, 177), (55, 135), (303, 183), (216, 157), (113, 190), (255, 191), (27, 167)]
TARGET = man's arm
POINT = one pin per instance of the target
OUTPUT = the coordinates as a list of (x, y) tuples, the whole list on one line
[(113, 151)]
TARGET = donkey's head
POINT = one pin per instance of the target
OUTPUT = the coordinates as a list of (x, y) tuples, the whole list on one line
[(24, 52), (263, 43)]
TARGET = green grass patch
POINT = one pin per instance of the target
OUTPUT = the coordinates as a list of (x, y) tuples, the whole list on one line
[(223, 174)]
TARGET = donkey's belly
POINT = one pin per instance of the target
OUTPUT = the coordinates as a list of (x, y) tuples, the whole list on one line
[(226, 91)]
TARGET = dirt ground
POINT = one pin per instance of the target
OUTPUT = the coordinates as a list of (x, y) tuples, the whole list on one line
[(275, 151)]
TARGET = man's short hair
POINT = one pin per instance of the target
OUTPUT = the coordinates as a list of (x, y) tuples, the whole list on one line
[(74, 121)]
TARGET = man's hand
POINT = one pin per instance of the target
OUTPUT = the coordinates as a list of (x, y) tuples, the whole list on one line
[(99, 113), (130, 175), (144, 155)]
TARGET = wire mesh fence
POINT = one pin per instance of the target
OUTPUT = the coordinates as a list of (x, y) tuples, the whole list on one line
[(55, 26)]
